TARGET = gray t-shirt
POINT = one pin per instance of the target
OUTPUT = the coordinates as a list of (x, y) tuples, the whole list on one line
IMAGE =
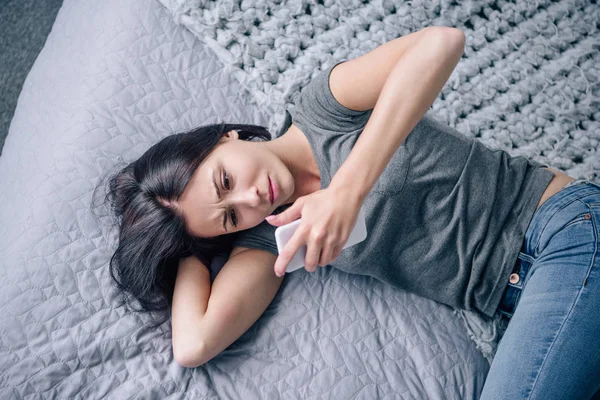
[(446, 219)]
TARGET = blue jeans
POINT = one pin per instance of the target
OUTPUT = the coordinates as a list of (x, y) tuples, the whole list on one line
[(551, 346)]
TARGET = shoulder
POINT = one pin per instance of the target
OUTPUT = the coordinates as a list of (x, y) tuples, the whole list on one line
[(261, 236)]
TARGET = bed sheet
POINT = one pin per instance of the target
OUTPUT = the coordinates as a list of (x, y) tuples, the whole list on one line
[(113, 78)]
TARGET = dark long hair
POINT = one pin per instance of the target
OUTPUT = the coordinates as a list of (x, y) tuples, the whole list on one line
[(152, 234)]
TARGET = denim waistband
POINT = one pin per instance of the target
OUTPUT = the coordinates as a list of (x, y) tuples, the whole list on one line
[(577, 182), (570, 193)]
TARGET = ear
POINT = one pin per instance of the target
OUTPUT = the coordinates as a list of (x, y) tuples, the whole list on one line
[(233, 134)]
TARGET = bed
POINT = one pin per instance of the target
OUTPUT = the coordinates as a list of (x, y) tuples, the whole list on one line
[(113, 78)]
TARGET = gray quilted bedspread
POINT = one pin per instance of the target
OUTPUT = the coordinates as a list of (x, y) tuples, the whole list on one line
[(113, 78)]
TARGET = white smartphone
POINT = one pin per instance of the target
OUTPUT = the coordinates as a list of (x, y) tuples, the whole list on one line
[(284, 233)]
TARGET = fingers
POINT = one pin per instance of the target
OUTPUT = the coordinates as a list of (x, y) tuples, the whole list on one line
[(313, 251), (290, 214), (317, 254), (327, 255), (290, 249), (336, 254)]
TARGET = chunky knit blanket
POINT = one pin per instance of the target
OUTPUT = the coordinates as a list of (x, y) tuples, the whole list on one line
[(528, 82)]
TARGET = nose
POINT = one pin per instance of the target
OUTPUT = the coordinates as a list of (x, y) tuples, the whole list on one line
[(250, 197)]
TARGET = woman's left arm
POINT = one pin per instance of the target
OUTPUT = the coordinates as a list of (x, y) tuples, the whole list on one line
[(328, 215), (410, 89)]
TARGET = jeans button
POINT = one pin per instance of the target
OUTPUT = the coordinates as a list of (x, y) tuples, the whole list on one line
[(514, 278)]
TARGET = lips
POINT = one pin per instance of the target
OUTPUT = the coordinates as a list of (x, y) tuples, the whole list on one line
[(273, 191)]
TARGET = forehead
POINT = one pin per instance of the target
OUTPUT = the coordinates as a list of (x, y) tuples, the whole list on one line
[(199, 202)]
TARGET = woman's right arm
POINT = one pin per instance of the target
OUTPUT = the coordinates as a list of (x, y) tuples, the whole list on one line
[(205, 319), (190, 300)]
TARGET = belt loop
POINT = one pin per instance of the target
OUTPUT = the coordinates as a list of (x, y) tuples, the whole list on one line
[(517, 266)]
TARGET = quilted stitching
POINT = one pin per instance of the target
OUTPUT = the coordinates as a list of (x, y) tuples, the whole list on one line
[(527, 82), (113, 78)]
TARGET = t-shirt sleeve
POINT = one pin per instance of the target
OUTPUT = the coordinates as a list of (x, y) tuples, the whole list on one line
[(261, 237), (318, 109)]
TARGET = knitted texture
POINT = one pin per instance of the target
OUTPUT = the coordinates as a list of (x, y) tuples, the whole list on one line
[(527, 83)]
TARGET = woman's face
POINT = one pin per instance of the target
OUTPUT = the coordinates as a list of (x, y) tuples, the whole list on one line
[(241, 171)]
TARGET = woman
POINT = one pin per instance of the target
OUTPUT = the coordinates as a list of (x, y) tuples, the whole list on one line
[(447, 219)]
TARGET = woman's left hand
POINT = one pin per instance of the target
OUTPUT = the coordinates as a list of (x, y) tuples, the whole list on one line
[(328, 216)]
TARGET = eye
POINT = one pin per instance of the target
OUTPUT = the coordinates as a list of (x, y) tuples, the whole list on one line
[(227, 186), (233, 218), (226, 180)]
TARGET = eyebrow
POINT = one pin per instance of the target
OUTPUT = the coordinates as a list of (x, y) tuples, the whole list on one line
[(219, 196)]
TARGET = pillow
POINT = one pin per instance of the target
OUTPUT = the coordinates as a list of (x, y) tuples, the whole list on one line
[(114, 78)]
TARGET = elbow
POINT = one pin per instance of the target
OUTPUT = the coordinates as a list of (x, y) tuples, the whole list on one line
[(189, 356), (460, 39), (448, 37)]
